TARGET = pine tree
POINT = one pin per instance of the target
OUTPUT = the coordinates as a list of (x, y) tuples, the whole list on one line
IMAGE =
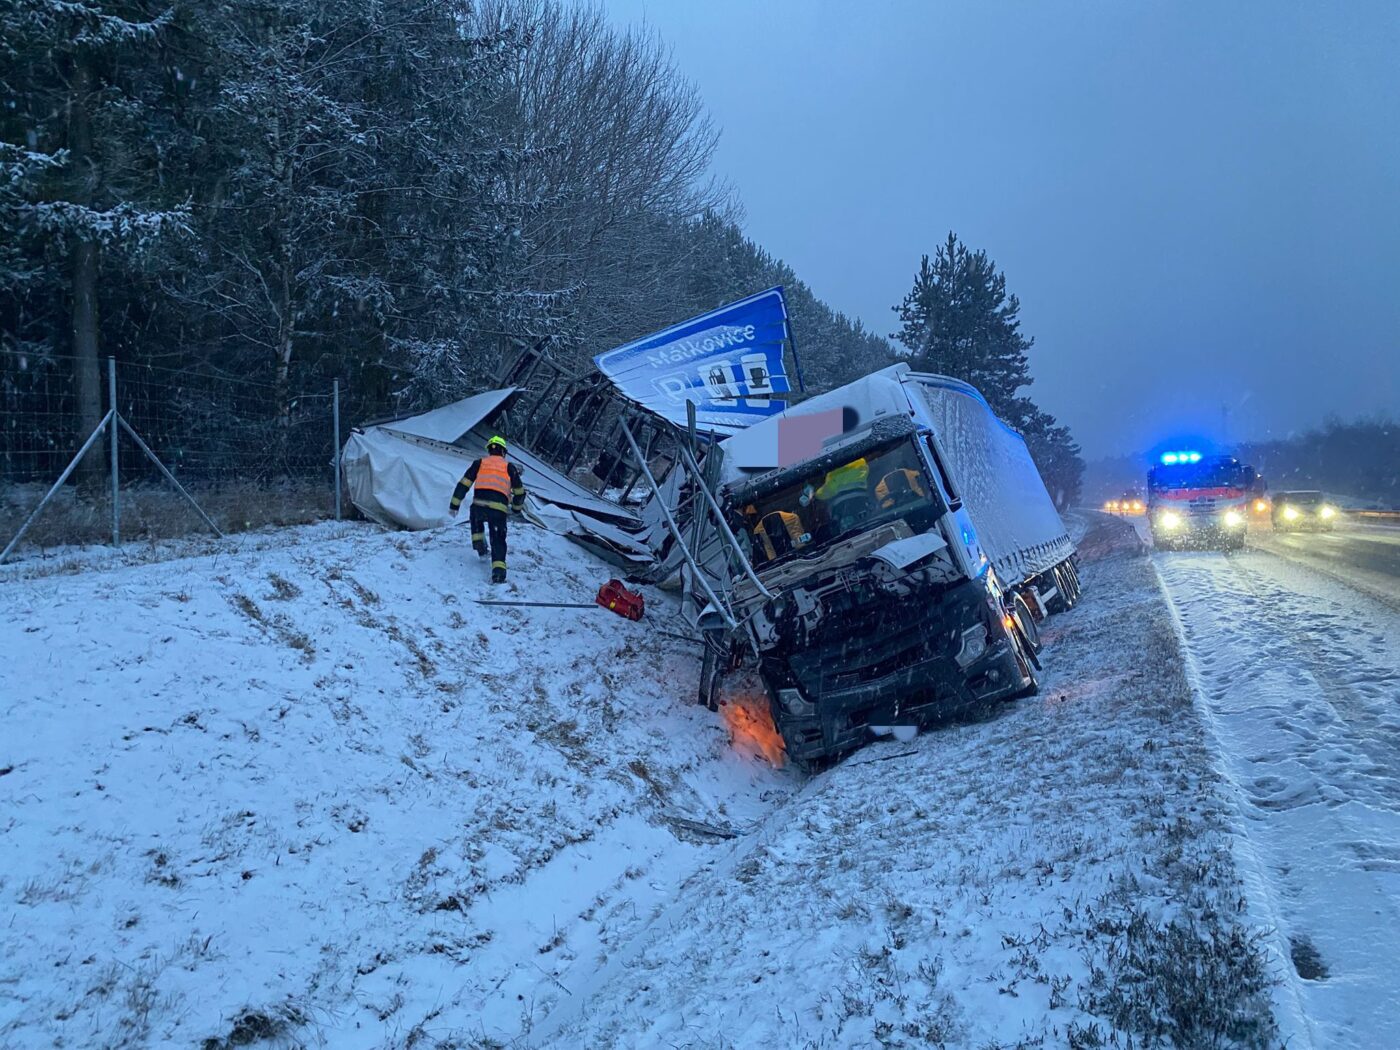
[(80, 167), (958, 321)]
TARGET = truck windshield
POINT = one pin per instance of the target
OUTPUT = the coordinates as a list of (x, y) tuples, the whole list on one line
[(873, 489)]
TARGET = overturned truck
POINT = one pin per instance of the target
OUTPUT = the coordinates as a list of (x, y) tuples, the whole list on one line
[(892, 551)]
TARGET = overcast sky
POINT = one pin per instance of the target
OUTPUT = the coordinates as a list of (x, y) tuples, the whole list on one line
[(1198, 204)]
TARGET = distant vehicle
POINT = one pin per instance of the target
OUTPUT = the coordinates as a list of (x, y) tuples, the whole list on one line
[(1126, 504), (1199, 501), (1259, 502), (1293, 511)]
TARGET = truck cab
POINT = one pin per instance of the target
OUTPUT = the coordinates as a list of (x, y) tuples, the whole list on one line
[(885, 611)]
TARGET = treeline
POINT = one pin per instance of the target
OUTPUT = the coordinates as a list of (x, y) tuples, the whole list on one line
[(281, 191), (389, 193), (1359, 460), (959, 320)]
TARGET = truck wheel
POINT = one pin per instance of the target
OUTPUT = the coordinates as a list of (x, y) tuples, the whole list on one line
[(1066, 586), (1031, 684), (1074, 579), (710, 675), (1025, 623), (1027, 662)]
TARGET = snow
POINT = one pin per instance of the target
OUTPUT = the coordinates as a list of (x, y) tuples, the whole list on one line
[(1298, 674), (1016, 521), (979, 887), (305, 788), (314, 780)]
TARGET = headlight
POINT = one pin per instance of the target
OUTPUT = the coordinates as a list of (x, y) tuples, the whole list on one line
[(1233, 519), (1290, 513), (1169, 519), (1327, 512), (794, 702), (1260, 506)]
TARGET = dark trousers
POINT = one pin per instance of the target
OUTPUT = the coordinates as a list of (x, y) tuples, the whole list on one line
[(490, 520)]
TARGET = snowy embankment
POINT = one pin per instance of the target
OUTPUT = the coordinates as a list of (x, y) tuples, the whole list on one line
[(311, 787), (309, 791), (1042, 878)]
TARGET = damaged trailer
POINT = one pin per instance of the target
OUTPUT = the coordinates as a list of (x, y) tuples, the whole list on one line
[(564, 435), (898, 548)]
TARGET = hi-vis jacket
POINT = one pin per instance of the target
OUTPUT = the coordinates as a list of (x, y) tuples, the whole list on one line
[(497, 483)]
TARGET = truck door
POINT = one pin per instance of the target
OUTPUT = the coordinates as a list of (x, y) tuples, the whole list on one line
[(958, 529)]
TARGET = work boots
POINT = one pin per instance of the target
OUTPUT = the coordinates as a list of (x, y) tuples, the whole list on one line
[(498, 575), (480, 549)]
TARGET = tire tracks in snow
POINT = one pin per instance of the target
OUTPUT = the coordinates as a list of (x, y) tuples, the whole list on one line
[(1292, 674)]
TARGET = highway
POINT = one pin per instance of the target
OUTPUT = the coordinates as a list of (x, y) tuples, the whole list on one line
[(1293, 649), (1364, 555)]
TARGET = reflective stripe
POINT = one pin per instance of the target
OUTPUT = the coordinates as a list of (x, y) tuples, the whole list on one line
[(849, 478), (478, 537), (791, 523), (888, 490), (494, 475), (498, 565), (490, 504)]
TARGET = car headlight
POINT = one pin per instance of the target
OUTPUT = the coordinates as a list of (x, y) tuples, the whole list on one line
[(1233, 519), (1260, 506), (1169, 519), (1327, 512), (1290, 513)]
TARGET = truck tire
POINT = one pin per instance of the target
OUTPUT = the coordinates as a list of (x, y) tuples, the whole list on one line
[(1066, 586), (1027, 662), (1032, 683), (1025, 623), (711, 674)]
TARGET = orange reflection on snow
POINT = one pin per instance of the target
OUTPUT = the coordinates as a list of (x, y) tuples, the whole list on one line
[(751, 728)]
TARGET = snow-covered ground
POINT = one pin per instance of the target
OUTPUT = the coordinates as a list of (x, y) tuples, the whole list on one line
[(305, 790), (1300, 674), (312, 786)]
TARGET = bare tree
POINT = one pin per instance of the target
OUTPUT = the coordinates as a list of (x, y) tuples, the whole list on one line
[(613, 149)]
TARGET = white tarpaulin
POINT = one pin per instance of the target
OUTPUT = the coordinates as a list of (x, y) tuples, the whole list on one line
[(402, 474)]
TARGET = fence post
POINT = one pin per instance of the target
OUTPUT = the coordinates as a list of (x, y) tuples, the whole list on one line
[(335, 423), (116, 497)]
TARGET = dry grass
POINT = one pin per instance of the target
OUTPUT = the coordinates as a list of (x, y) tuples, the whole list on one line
[(152, 511)]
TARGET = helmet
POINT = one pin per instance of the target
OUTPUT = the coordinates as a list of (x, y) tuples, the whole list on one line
[(497, 442)]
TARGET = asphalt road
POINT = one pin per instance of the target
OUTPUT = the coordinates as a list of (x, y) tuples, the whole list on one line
[(1364, 555)]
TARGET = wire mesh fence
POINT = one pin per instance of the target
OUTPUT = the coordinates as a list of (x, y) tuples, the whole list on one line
[(249, 453)]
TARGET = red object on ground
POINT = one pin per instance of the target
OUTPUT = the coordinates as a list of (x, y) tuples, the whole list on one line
[(614, 596)]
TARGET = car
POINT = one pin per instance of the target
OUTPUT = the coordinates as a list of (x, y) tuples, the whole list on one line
[(1302, 509)]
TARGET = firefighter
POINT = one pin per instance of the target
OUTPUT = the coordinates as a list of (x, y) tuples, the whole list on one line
[(897, 486), (778, 533), (498, 493), (843, 499)]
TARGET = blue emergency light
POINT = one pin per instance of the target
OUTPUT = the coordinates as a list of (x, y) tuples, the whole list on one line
[(1171, 459)]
